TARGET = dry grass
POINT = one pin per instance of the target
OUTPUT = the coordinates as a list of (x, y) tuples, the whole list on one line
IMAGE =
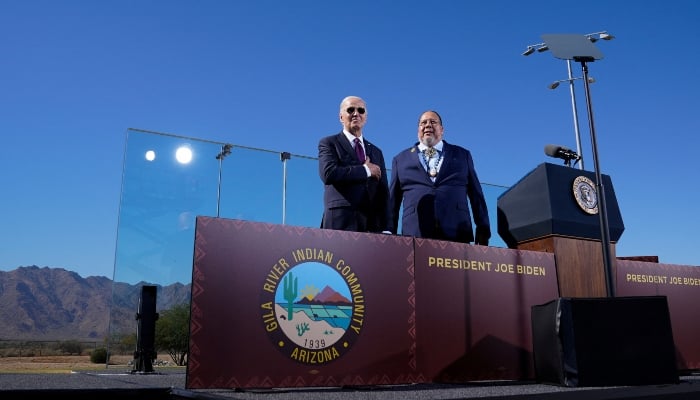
[(62, 364)]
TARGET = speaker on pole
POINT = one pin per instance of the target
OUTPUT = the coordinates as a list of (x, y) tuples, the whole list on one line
[(604, 342)]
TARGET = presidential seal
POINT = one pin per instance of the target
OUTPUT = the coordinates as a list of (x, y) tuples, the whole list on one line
[(585, 195)]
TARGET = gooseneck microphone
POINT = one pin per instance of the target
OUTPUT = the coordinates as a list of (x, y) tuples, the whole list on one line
[(556, 151)]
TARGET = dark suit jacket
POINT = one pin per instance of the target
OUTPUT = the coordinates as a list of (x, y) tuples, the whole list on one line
[(348, 191), (438, 210)]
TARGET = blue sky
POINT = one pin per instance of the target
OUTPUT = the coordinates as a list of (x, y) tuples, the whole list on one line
[(75, 75)]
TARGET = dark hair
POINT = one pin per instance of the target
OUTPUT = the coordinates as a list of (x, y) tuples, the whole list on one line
[(432, 111)]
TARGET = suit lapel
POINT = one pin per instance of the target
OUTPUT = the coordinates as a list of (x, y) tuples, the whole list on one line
[(417, 159), (416, 156), (444, 164), (369, 150), (345, 144)]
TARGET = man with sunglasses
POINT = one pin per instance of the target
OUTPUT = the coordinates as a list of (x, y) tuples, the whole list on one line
[(434, 179), (356, 192)]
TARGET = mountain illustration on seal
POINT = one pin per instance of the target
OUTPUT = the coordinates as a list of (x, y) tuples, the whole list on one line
[(327, 296)]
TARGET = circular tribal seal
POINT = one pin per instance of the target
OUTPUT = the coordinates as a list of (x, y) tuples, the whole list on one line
[(585, 194), (313, 311)]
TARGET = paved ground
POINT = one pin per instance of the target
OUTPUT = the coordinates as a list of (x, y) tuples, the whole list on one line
[(106, 385)]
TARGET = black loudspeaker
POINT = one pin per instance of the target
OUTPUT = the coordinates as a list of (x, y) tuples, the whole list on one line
[(621, 341), (146, 330)]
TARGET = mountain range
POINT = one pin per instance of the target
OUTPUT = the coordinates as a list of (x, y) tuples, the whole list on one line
[(42, 303)]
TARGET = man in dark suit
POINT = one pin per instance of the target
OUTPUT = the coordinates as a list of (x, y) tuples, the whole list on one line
[(434, 179), (356, 194)]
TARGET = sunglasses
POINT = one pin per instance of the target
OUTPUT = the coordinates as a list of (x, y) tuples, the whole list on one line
[(351, 110)]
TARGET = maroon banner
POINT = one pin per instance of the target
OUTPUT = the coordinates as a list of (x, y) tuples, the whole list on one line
[(681, 286), (281, 306), (473, 308)]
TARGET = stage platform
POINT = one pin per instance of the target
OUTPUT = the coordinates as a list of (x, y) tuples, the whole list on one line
[(108, 384)]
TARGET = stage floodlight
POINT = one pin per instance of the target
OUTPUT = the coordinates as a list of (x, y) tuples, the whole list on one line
[(542, 47), (555, 84)]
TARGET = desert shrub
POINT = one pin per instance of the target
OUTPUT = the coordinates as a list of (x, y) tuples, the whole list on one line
[(98, 356), (71, 347)]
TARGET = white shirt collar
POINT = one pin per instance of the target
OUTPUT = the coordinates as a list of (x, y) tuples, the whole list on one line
[(437, 147), (351, 137)]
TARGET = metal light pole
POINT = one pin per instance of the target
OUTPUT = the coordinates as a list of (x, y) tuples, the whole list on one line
[(542, 47), (575, 112), (574, 108), (225, 151), (580, 48), (284, 156), (602, 208)]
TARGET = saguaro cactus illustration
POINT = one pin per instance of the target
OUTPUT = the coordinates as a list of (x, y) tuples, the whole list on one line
[(290, 294)]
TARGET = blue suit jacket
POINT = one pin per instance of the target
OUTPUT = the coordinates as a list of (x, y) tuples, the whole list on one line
[(438, 210), (347, 189)]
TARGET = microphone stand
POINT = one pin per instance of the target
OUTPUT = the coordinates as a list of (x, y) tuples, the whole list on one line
[(602, 209)]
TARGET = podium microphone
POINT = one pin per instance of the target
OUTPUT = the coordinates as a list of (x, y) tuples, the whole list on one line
[(562, 152)]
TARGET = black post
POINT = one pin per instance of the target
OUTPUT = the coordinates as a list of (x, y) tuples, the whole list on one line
[(146, 331), (225, 150), (284, 156), (602, 209)]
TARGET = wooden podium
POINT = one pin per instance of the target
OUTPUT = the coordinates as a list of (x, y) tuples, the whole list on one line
[(555, 209)]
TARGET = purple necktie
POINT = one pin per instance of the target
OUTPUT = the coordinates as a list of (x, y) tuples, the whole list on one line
[(359, 150)]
